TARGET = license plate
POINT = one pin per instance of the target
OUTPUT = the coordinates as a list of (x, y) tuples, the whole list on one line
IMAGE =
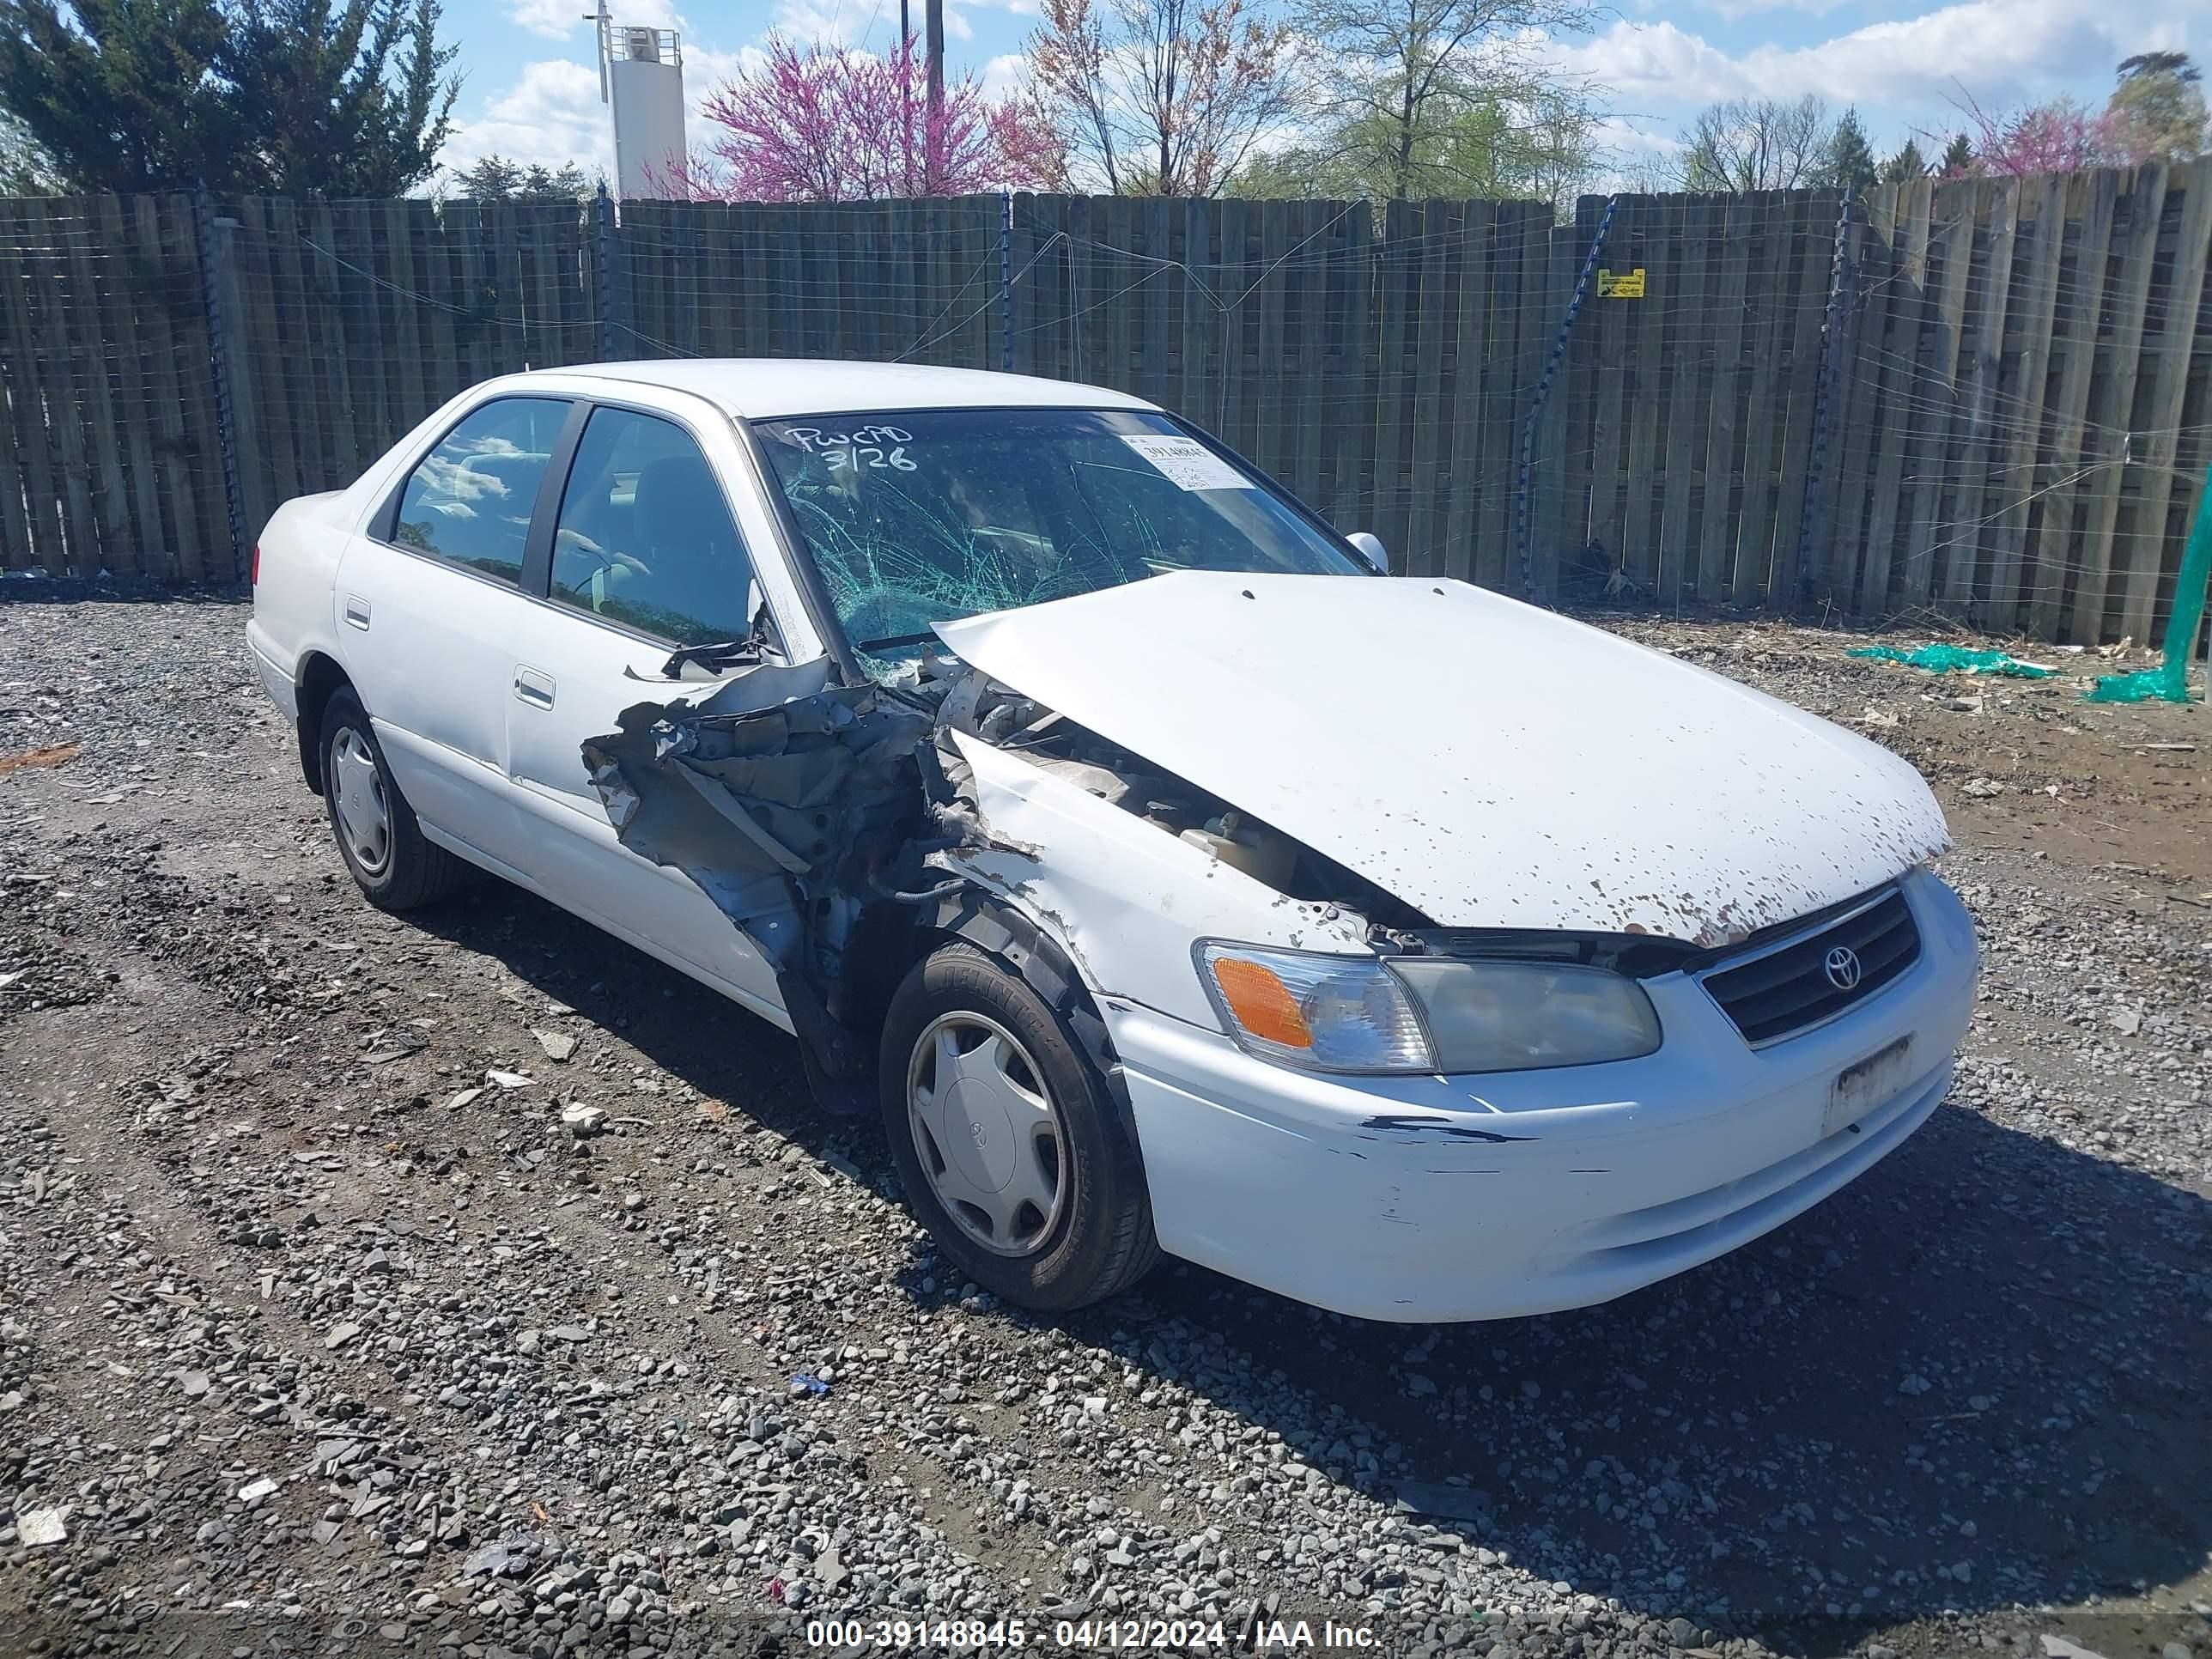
[(1863, 1085)]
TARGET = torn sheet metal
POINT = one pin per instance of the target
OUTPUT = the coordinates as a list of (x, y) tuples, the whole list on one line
[(778, 793), (1491, 763), (1125, 899)]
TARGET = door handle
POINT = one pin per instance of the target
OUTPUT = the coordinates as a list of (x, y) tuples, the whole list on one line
[(356, 611), (533, 688)]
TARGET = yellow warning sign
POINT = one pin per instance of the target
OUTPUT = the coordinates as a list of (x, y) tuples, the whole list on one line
[(1620, 284)]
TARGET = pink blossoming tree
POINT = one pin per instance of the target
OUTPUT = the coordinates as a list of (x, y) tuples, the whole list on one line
[(826, 124)]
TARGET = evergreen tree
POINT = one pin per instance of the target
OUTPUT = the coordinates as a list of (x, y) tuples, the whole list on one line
[(1958, 157), (335, 97), (1905, 165), (1849, 164)]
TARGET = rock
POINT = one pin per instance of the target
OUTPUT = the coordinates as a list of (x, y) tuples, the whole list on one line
[(40, 1527), (1681, 1632), (558, 1045), (2065, 1647), (254, 1490), (194, 1384), (1962, 1573), (2177, 1650), (580, 1120), (339, 1335), (2128, 1022)]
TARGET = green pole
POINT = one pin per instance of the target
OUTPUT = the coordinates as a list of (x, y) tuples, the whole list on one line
[(2169, 680)]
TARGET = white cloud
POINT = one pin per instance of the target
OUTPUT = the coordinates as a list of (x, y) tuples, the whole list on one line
[(1004, 73), (553, 19), (552, 114), (2004, 50)]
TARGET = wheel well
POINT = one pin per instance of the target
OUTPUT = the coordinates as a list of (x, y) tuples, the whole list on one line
[(1001, 931), (320, 676)]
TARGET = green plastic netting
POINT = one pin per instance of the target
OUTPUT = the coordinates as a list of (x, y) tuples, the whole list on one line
[(1953, 658), (2169, 680)]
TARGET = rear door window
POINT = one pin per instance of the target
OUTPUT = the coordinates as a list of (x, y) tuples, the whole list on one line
[(469, 500)]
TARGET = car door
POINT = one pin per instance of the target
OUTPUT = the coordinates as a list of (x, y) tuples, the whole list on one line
[(644, 556), (428, 598)]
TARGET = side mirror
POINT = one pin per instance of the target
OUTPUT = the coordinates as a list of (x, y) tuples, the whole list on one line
[(1370, 548)]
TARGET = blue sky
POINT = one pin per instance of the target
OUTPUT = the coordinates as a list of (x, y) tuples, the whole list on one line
[(531, 90)]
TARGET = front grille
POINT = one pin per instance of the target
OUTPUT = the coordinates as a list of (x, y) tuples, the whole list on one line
[(1787, 988)]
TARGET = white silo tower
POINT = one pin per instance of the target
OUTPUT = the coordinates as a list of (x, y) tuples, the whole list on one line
[(642, 82)]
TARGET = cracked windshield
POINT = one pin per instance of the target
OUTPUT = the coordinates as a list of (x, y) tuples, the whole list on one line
[(924, 516)]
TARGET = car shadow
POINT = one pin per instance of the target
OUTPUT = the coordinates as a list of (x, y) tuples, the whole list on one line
[(1973, 1379)]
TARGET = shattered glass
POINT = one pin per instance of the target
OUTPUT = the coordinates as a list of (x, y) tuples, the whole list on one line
[(919, 517)]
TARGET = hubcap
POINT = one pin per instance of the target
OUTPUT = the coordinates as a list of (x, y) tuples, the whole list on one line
[(364, 818), (989, 1138)]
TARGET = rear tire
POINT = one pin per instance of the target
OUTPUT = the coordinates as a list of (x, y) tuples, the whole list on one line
[(377, 832), (958, 1125)]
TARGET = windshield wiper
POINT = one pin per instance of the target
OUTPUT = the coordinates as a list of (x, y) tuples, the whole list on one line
[(893, 642), (716, 655)]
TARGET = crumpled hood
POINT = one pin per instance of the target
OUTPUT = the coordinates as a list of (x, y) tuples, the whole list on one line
[(1493, 764)]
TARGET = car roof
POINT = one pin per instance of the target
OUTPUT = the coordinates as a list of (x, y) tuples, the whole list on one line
[(754, 388)]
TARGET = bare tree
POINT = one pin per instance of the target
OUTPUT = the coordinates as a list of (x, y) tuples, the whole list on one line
[(1757, 144), (1161, 97), (1402, 79)]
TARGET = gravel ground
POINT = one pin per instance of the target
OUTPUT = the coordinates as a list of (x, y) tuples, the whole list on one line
[(473, 1284)]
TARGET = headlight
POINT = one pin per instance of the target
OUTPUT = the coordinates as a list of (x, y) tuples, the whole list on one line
[(1514, 1016), (1333, 1014), (1327, 1013)]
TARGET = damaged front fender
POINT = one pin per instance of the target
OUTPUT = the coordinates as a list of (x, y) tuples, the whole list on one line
[(779, 795)]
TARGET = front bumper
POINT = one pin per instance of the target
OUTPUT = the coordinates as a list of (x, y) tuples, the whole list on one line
[(1432, 1199)]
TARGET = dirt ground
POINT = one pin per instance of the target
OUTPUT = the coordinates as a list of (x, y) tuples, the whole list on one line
[(321, 1337)]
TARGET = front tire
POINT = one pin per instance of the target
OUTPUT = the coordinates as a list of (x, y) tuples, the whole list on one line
[(376, 831), (1013, 1151)]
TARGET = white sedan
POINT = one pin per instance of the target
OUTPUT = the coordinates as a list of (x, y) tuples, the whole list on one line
[(1170, 877)]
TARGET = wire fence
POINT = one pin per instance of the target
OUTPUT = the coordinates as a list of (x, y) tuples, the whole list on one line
[(1986, 398)]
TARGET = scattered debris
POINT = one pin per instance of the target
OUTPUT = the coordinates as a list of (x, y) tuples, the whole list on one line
[(2065, 1647), (509, 1079), (580, 1120), (37, 1527), (59, 754), (558, 1045), (1442, 1502)]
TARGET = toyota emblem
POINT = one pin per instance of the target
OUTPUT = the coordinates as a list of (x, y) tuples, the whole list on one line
[(1843, 969)]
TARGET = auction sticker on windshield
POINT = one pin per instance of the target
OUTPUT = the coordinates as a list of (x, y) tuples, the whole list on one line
[(1187, 462)]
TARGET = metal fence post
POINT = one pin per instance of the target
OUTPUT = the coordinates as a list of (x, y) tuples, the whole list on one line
[(1006, 281), (226, 409), (1522, 530), (1842, 280), (603, 224)]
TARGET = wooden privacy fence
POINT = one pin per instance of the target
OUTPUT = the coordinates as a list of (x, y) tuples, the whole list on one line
[(1982, 398)]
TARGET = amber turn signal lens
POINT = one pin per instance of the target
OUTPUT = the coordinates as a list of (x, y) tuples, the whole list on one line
[(1262, 1003)]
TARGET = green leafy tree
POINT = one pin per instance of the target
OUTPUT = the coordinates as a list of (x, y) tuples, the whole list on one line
[(1421, 98), (1488, 148), (348, 98), (1848, 165), (1905, 165), (2156, 113)]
